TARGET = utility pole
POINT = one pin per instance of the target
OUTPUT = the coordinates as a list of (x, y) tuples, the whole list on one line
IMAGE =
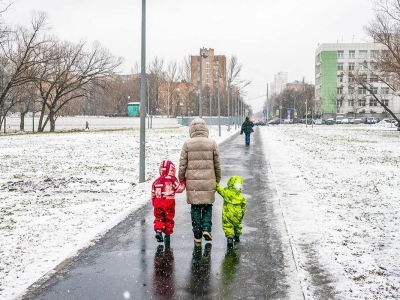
[(142, 145), (267, 105), (202, 55)]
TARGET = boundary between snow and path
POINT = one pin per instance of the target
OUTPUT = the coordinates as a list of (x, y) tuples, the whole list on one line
[(292, 193), (111, 224), (287, 240)]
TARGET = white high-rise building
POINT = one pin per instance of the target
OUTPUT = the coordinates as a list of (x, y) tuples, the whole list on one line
[(280, 82)]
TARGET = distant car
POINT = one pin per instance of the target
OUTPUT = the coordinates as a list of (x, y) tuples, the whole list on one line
[(259, 123), (288, 121), (358, 121), (339, 119), (274, 122), (345, 121), (372, 120), (319, 122), (388, 120), (330, 121), (351, 120)]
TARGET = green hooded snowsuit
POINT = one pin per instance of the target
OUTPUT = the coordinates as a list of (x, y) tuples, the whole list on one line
[(234, 206)]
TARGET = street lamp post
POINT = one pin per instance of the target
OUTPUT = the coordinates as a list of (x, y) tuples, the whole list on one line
[(219, 107), (210, 108), (306, 114), (229, 122), (142, 148), (202, 55)]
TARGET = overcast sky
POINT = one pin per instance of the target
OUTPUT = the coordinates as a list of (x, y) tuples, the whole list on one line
[(266, 36)]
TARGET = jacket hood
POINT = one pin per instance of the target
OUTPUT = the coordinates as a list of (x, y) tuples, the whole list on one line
[(167, 168), (198, 128), (234, 181)]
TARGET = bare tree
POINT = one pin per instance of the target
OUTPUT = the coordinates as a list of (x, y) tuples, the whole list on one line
[(156, 75), (185, 69), (20, 58), (385, 29), (69, 74), (234, 72), (234, 69)]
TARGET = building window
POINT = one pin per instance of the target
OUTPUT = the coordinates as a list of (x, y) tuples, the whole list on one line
[(363, 66), (340, 78), (339, 102), (340, 66), (385, 90), (352, 54), (339, 90), (351, 66), (375, 90), (362, 91), (351, 90), (373, 102), (350, 103), (385, 53), (340, 54), (373, 78), (363, 53), (361, 102), (386, 102), (385, 78), (352, 79), (374, 53)]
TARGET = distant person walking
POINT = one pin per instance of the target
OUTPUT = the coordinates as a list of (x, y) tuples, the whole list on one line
[(247, 128), (199, 166), (233, 209), (163, 198), (87, 125)]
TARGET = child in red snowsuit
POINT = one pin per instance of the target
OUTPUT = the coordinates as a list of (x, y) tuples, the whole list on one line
[(163, 198)]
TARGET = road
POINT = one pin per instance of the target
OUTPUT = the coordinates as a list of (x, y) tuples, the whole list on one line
[(128, 263)]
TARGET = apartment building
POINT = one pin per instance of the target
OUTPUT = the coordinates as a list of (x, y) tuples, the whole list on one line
[(213, 69), (280, 82), (337, 92)]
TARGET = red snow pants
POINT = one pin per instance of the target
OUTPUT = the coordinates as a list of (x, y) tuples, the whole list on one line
[(164, 214)]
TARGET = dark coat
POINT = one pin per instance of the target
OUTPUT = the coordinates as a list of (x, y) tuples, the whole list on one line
[(247, 127)]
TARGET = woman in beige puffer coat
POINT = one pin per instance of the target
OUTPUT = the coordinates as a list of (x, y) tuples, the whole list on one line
[(200, 167)]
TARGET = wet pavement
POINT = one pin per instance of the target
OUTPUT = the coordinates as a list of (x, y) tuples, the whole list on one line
[(128, 262)]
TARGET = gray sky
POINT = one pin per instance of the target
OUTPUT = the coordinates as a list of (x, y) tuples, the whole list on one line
[(266, 36)]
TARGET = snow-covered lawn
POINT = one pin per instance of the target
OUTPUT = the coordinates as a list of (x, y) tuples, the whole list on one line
[(339, 192), (338, 189)]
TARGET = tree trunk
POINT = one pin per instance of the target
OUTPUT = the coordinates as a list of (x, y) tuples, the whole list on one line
[(22, 122), (52, 120)]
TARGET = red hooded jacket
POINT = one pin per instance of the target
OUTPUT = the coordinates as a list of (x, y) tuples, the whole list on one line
[(165, 186)]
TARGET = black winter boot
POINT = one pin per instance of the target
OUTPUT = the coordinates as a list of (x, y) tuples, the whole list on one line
[(230, 242), (159, 237)]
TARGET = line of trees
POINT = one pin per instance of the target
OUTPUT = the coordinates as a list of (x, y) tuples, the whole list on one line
[(38, 72), (41, 74), (299, 96)]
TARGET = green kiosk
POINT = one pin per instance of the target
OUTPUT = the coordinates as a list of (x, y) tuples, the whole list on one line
[(133, 109)]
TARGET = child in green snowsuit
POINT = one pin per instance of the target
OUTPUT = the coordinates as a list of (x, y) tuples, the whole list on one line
[(233, 209)]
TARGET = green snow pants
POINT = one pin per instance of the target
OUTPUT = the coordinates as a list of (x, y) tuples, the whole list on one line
[(201, 219)]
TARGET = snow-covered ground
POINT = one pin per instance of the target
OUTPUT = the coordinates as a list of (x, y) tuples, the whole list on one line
[(339, 192), (338, 189)]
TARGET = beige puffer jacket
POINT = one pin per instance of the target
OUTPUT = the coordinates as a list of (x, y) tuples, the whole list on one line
[(199, 164)]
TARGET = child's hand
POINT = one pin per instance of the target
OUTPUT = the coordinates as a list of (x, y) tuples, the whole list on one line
[(181, 187)]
